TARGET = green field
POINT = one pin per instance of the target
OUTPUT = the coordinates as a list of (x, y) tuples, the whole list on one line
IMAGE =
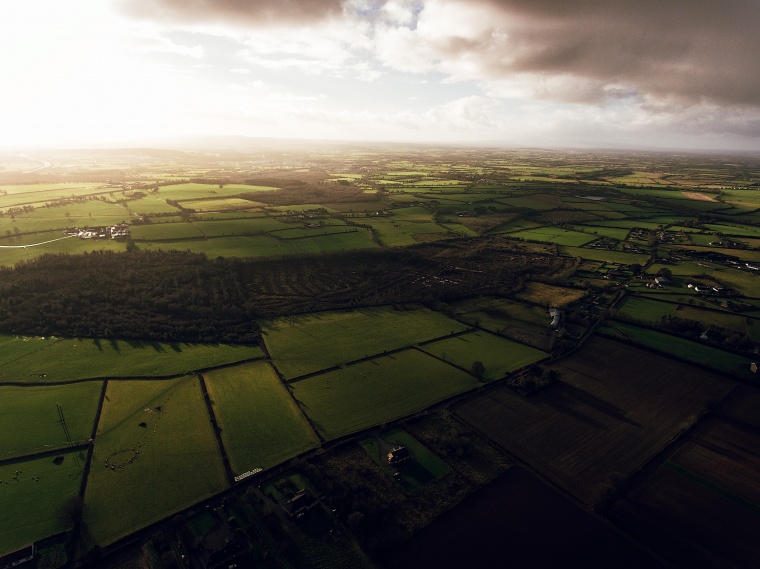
[(376, 391), (29, 420), (554, 235), (32, 502), (313, 342), (498, 355), (155, 454), (261, 425), (267, 246), (618, 257), (250, 226), (43, 360), (198, 191), (160, 231)]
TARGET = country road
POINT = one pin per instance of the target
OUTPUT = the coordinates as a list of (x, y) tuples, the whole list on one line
[(34, 244), (45, 164)]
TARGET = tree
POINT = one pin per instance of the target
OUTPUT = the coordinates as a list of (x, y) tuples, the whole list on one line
[(665, 272), (478, 369)]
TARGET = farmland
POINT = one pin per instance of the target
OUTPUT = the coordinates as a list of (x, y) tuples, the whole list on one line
[(49, 360), (261, 426), (602, 421), (306, 344), (376, 391), (682, 505), (33, 497), (300, 313), (29, 419), (155, 453), (499, 356)]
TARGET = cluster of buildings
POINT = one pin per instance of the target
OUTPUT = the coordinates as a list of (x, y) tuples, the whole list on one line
[(120, 231)]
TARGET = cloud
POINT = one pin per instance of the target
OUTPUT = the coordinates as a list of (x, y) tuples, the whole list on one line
[(250, 12), (588, 50)]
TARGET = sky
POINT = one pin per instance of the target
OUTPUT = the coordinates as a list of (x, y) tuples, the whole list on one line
[(661, 74)]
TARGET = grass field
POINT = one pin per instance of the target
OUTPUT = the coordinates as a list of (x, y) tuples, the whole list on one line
[(251, 226), (168, 231), (29, 420), (309, 343), (261, 425), (267, 246), (618, 257), (376, 391), (696, 352), (613, 409), (43, 360), (32, 501), (498, 355), (554, 235), (141, 474)]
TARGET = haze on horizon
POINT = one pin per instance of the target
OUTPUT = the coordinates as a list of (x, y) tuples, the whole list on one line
[(555, 73)]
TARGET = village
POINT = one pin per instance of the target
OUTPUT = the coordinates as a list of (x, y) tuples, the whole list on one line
[(119, 231)]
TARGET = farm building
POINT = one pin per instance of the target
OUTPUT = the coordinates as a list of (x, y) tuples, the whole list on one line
[(398, 455), (301, 502)]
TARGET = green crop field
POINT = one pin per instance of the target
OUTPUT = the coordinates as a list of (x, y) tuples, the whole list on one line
[(598, 231), (644, 309), (157, 231), (309, 343), (267, 246), (151, 204), (696, 352), (618, 257), (554, 235), (29, 420), (197, 191), (69, 359), (155, 453), (261, 425), (252, 226), (498, 355), (32, 502), (219, 204), (394, 232), (379, 390)]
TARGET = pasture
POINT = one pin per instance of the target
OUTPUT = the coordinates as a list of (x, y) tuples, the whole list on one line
[(498, 355), (618, 257), (43, 360), (267, 246), (165, 231), (29, 421), (554, 235), (261, 424), (249, 226), (155, 453), (33, 497), (612, 411), (375, 391), (312, 342)]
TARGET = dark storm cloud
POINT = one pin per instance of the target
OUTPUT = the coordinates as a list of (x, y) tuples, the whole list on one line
[(689, 49), (250, 12)]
